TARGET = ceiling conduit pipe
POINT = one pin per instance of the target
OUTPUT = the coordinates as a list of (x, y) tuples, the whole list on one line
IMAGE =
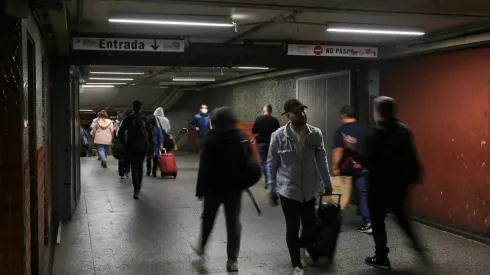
[(275, 74)]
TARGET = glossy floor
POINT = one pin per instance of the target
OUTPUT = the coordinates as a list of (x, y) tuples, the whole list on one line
[(111, 233)]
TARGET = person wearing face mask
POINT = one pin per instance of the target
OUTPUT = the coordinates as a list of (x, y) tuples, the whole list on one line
[(298, 171), (201, 124), (393, 167)]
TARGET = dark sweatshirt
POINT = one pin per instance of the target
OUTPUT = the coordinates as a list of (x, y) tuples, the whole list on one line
[(222, 161), (390, 157), (264, 126)]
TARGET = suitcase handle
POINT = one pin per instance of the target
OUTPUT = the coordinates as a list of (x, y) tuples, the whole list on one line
[(333, 194)]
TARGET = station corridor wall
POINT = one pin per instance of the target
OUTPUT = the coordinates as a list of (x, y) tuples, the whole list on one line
[(445, 99)]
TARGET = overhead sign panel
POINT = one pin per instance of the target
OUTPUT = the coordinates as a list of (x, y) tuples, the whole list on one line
[(334, 51), (127, 44)]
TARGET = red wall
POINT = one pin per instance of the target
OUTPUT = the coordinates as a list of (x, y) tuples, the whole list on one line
[(445, 99)]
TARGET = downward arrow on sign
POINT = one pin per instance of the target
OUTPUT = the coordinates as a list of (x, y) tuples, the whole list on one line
[(155, 46)]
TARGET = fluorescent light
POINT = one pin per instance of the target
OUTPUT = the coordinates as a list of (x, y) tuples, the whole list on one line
[(251, 68), (85, 110), (170, 22), (92, 83), (111, 78), (97, 86), (374, 31), (194, 79), (116, 73)]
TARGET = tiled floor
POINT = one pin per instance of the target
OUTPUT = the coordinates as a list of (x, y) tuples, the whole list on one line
[(111, 233)]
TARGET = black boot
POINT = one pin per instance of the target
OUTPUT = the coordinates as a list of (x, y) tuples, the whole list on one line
[(379, 262)]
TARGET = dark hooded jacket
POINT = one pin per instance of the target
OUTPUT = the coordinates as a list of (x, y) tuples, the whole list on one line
[(222, 162)]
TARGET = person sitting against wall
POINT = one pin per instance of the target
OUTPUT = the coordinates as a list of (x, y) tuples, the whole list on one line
[(103, 131)]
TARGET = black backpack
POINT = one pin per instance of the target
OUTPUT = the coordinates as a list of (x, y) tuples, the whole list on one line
[(138, 136)]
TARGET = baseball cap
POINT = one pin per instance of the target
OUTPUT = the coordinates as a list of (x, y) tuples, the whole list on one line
[(292, 105)]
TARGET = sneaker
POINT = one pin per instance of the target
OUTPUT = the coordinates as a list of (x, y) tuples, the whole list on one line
[(197, 250), (381, 263), (232, 266), (367, 229), (303, 256), (122, 177), (298, 271), (136, 194), (104, 164)]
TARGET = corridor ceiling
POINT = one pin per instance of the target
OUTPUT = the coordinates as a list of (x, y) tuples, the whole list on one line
[(150, 86), (256, 21)]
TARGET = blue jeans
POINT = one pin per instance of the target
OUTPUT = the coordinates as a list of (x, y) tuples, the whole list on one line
[(102, 149), (263, 151), (362, 197)]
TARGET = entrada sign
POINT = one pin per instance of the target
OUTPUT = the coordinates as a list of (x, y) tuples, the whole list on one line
[(127, 44), (335, 51)]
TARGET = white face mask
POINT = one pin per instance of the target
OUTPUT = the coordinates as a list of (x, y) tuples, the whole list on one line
[(204, 111)]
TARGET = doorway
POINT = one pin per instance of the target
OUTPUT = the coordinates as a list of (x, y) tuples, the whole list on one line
[(325, 95)]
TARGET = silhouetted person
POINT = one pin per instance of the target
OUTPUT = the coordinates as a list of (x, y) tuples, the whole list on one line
[(298, 171), (263, 127), (223, 162), (393, 166), (139, 143), (344, 165)]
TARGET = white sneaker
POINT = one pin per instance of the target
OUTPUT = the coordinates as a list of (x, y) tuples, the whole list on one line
[(232, 266), (298, 271), (303, 256)]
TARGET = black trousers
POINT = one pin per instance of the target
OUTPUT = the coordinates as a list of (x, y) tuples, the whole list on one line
[(232, 203), (123, 167), (380, 200), (296, 212), (136, 160), (152, 165)]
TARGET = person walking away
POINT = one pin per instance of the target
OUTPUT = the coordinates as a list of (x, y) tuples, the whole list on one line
[(162, 120), (123, 165), (393, 167), (201, 124), (157, 144), (223, 169), (164, 124), (263, 127), (103, 132), (139, 143), (344, 165), (298, 171)]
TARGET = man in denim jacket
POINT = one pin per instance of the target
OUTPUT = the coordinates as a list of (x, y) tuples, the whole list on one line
[(298, 170)]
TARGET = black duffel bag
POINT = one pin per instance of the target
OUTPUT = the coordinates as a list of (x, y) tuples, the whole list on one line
[(118, 149)]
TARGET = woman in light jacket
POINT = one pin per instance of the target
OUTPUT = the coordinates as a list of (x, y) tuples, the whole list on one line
[(103, 133)]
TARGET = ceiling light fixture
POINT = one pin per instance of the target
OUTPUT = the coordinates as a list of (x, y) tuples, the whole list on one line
[(85, 110), (97, 86), (111, 78), (194, 79), (171, 22), (369, 31), (120, 73), (373, 29), (251, 68), (92, 83)]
